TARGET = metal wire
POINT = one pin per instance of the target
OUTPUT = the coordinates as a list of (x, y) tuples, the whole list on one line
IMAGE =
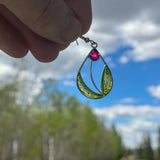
[(93, 43)]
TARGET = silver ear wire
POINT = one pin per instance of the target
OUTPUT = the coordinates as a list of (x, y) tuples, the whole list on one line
[(94, 45)]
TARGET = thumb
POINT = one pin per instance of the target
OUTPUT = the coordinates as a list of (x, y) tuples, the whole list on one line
[(51, 19)]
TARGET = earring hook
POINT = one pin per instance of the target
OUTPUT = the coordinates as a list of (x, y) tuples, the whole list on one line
[(86, 39)]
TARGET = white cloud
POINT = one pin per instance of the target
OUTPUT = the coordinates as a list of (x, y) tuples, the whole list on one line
[(154, 91), (123, 59), (135, 120), (128, 100), (143, 36), (132, 134), (121, 11), (69, 83), (127, 111), (6, 69), (110, 62), (139, 28)]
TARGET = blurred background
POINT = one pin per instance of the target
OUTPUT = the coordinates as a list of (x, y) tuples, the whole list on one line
[(43, 116)]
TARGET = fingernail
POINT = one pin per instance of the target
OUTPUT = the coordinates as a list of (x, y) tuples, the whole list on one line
[(72, 30)]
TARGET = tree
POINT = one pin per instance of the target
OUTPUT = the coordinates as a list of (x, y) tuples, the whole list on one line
[(12, 118), (117, 141), (77, 132), (145, 150), (158, 149)]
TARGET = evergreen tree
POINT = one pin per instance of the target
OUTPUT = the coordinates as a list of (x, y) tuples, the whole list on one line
[(158, 149), (145, 150), (117, 141), (149, 150)]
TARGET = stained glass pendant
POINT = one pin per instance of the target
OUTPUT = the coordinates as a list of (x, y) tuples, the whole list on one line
[(106, 77)]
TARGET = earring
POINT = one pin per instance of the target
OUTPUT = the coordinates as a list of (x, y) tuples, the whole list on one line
[(106, 78)]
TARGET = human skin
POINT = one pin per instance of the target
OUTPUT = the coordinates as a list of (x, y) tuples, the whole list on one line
[(45, 27)]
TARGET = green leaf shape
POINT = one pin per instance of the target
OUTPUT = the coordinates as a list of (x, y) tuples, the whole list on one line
[(85, 90), (106, 81)]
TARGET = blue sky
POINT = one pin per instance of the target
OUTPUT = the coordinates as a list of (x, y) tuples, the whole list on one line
[(136, 89), (128, 37), (130, 80)]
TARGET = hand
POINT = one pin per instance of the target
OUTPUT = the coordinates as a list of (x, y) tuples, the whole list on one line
[(44, 27)]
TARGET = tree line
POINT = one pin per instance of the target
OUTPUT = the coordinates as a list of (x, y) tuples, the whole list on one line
[(55, 126), (145, 150)]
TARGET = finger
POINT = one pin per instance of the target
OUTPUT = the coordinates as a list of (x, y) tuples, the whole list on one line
[(11, 41), (51, 19), (83, 11), (41, 48)]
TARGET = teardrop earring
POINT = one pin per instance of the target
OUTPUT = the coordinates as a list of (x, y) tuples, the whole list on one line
[(106, 78)]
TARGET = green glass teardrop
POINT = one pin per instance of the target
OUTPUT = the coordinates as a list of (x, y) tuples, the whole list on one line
[(106, 81), (85, 90)]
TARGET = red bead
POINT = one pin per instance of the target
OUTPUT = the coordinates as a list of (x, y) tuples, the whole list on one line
[(94, 55)]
